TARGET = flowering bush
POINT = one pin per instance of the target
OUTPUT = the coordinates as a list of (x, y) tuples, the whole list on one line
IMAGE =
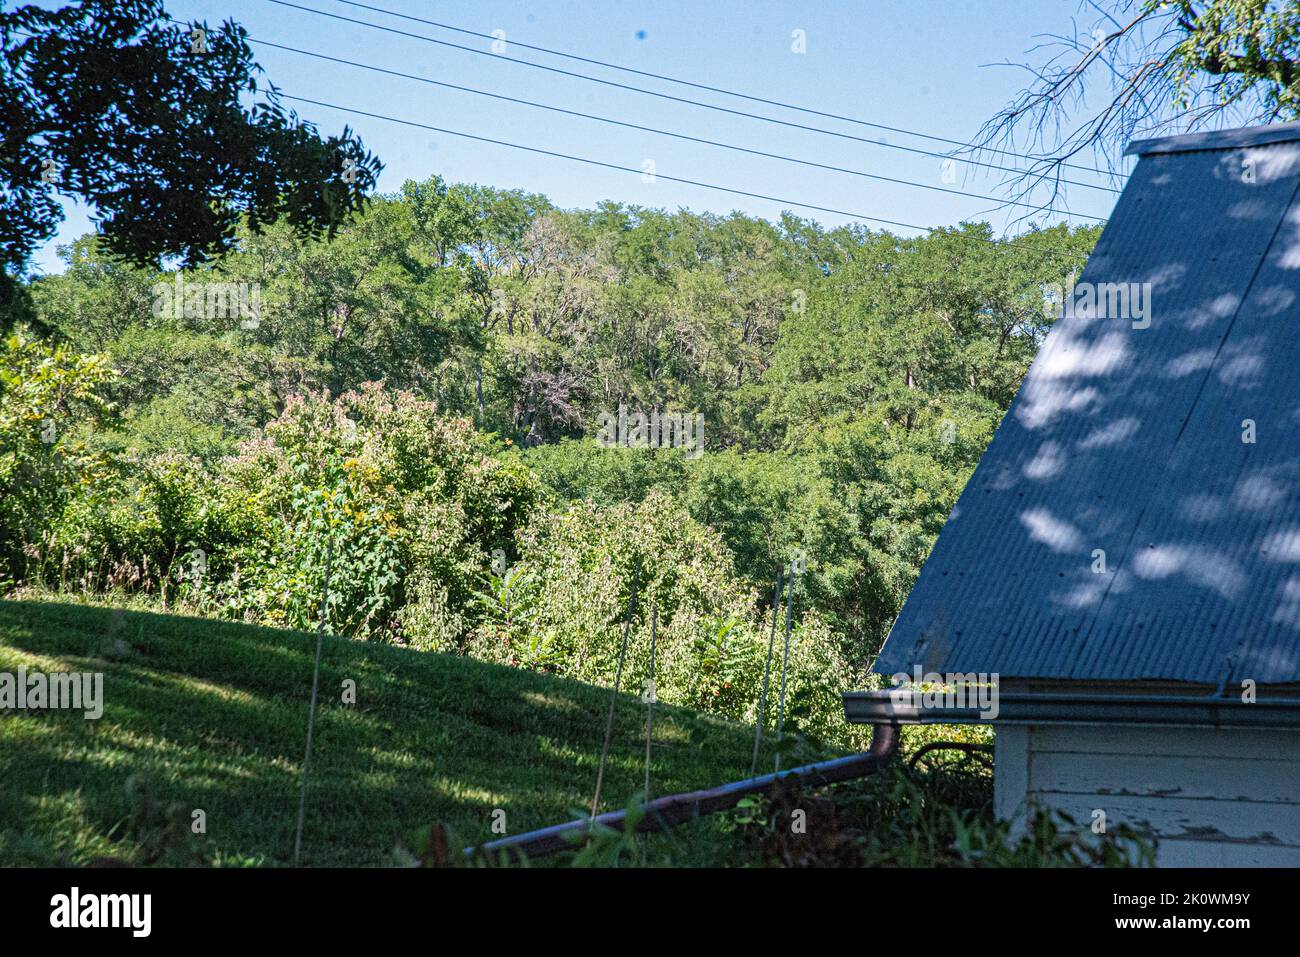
[(405, 505)]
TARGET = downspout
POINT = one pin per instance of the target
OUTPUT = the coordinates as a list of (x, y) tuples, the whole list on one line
[(674, 809)]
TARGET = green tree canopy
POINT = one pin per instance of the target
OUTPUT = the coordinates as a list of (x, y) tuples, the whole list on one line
[(144, 119)]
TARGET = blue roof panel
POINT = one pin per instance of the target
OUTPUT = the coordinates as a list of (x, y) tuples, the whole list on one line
[(1121, 525)]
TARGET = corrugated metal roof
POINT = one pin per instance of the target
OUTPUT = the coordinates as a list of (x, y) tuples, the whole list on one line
[(1130, 441), (1220, 140)]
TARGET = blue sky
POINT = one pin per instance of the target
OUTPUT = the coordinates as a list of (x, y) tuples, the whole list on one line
[(924, 65)]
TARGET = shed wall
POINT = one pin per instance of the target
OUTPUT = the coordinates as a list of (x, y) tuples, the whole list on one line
[(1210, 797)]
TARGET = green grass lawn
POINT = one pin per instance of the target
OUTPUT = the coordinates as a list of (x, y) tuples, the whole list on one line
[(211, 715)]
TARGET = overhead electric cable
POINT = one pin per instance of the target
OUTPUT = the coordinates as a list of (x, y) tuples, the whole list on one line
[(630, 169), (715, 89), (677, 99), (669, 133)]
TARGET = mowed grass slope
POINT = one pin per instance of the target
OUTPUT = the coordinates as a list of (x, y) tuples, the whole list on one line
[(210, 715)]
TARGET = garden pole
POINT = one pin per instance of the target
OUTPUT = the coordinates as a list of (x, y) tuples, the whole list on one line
[(785, 658), (315, 683), (767, 667), (649, 715), (650, 699), (613, 696)]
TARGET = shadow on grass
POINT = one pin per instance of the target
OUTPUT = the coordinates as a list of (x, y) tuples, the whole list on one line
[(212, 715)]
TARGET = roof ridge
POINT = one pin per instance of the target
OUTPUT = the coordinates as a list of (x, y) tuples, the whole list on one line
[(1216, 139)]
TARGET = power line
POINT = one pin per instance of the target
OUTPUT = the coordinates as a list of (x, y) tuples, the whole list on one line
[(714, 89), (630, 169), (661, 132), (676, 99)]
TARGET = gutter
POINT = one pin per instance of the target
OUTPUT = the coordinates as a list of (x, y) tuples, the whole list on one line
[(673, 809), (1025, 707)]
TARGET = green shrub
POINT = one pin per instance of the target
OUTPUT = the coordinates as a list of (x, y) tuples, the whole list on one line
[(157, 525), (48, 396), (411, 501), (406, 505), (901, 819), (432, 539), (561, 608)]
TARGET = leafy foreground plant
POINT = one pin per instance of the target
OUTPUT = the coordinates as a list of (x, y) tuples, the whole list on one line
[(900, 819)]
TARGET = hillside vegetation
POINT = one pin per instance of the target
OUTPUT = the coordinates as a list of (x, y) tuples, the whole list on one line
[(436, 408)]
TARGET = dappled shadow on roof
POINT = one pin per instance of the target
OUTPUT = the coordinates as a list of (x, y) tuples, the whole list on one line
[(1137, 515)]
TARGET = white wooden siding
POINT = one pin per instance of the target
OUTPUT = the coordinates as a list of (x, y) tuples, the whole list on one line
[(1210, 797)]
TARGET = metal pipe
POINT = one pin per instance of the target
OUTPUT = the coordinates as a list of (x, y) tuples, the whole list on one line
[(675, 809)]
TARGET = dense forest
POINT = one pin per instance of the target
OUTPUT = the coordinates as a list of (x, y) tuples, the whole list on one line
[(458, 426)]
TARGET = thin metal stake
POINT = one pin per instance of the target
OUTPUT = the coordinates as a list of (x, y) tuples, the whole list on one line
[(649, 718), (650, 699), (767, 667), (613, 696), (315, 684), (785, 658)]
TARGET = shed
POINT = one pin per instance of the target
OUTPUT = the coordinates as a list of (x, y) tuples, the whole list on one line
[(1124, 562)]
